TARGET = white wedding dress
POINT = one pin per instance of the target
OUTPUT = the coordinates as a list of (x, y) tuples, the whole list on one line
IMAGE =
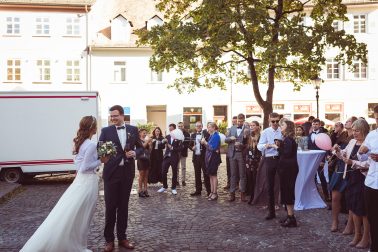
[(66, 227)]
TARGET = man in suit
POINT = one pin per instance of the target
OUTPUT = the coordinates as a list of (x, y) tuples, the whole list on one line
[(237, 140), (316, 129), (118, 175), (171, 158), (198, 159), (183, 155), (228, 167)]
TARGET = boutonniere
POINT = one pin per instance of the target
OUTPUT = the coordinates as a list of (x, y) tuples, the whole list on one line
[(128, 135)]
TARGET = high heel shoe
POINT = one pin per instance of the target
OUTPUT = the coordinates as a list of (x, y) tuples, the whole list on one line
[(211, 194), (214, 196), (146, 194)]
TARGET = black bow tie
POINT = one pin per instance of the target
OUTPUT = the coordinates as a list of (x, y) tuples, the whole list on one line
[(120, 127), (240, 127), (315, 132), (198, 133)]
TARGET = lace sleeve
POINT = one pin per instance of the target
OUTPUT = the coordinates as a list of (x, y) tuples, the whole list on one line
[(90, 160)]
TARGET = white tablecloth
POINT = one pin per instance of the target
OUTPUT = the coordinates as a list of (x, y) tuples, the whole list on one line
[(306, 193)]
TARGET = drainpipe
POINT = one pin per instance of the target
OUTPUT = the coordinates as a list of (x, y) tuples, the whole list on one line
[(88, 84)]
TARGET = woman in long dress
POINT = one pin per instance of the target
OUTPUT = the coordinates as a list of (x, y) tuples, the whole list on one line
[(154, 176), (66, 227)]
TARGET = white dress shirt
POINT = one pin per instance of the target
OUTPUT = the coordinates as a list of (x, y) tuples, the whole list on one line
[(267, 137), (122, 139), (198, 144), (313, 135), (86, 161), (371, 142)]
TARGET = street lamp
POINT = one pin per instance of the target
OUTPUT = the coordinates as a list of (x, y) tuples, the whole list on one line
[(316, 82)]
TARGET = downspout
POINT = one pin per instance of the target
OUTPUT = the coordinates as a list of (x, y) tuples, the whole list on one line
[(88, 84)]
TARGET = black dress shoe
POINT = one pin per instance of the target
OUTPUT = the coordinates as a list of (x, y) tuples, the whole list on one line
[(290, 222), (284, 219), (195, 194), (183, 183), (270, 216)]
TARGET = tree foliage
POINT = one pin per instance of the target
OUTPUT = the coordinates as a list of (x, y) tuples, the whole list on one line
[(211, 39)]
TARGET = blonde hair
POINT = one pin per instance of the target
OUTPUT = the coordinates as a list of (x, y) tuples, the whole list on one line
[(362, 126)]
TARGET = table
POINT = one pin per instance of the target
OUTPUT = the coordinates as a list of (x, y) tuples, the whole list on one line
[(306, 193)]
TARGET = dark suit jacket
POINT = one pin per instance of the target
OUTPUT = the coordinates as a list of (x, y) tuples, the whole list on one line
[(185, 144), (132, 138), (312, 145), (176, 148), (206, 135)]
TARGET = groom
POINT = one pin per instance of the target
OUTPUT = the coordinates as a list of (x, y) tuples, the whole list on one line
[(118, 175)]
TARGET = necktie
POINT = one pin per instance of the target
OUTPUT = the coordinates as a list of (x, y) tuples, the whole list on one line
[(120, 127)]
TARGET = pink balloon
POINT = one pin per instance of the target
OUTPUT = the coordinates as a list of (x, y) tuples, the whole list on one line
[(323, 141)]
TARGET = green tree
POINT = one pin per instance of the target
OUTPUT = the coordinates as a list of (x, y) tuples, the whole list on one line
[(211, 39)]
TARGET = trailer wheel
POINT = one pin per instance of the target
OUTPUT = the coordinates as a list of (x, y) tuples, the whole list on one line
[(13, 175)]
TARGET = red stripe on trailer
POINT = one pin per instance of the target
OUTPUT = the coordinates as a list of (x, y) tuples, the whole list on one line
[(38, 162), (31, 97)]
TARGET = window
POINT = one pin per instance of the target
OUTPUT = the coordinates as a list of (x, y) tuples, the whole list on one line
[(42, 26), (335, 25), (156, 20), (192, 115), (359, 23), (119, 71), (43, 70), (333, 69), (156, 76), (13, 70), (73, 70), (220, 114), (13, 25), (359, 71), (73, 26)]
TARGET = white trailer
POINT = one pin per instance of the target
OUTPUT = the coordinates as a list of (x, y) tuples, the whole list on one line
[(37, 129)]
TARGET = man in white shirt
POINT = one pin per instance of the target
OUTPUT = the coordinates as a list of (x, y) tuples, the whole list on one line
[(268, 148), (371, 183)]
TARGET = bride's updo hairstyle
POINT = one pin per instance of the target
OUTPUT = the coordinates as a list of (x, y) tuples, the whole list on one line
[(86, 126)]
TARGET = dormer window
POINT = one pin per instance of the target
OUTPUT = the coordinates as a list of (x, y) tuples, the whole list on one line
[(120, 29), (155, 20)]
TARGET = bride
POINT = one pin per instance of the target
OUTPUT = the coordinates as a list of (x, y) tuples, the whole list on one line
[(66, 227)]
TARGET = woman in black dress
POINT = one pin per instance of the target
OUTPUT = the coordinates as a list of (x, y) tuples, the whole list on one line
[(143, 163), (355, 188), (288, 171), (156, 158)]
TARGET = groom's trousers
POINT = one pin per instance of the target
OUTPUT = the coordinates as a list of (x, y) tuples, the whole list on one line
[(117, 193)]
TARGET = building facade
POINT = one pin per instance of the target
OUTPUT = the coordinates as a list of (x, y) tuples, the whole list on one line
[(62, 47)]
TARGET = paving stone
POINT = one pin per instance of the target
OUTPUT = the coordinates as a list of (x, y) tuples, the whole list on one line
[(164, 222)]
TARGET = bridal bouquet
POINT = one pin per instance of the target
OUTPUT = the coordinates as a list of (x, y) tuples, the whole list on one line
[(106, 149)]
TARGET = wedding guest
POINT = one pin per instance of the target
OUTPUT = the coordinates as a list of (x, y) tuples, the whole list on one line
[(171, 159), (322, 126), (307, 125), (213, 158), (355, 186), (253, 156), (312, 146), (338, 136), (271, 158), (183, 155), (338, 184), (198, 159), (371, 183), (157, 147), (237, 140), (227, 187), (143, 163), (288, 171), (74, 211)]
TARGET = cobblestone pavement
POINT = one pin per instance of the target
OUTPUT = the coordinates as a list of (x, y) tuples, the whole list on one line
[(165, 222)]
